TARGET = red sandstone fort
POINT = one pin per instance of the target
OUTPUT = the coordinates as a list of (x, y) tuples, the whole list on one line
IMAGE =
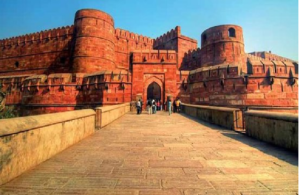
[(92, 63)]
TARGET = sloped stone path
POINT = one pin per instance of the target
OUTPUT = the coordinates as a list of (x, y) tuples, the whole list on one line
[(161, 154)]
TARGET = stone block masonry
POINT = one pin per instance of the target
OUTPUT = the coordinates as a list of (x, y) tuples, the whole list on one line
[(27, 141), (107, 114), (277, 128), (225, 117)]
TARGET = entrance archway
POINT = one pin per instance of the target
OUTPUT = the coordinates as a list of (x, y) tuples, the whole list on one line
[(154, 91)]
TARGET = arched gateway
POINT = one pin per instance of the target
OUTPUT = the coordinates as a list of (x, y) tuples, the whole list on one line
[(154, 91)]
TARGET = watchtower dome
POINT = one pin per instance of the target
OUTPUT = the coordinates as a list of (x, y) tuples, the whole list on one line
[(222, 44)]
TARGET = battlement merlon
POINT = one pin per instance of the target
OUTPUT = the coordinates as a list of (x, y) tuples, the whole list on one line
[(192, 52), (172, 34), (250, 56), (120, 33), (154, 56), (270, 56), (64, 31), (189, 39)]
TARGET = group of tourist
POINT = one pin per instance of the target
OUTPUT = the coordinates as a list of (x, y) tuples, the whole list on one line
[(156, 105), (153, 106)]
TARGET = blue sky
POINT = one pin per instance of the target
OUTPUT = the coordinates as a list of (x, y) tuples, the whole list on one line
[(269, 25)]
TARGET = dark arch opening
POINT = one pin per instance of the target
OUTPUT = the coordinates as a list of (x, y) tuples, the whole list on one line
[(296, 67), (17, 64), (203, 38), (231, 32), (154, 91)]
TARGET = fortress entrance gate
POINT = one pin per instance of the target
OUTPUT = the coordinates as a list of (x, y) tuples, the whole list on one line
[(154, 91)]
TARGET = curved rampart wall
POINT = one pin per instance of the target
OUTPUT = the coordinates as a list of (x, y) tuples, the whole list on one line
[(222, 45), (94, 46)]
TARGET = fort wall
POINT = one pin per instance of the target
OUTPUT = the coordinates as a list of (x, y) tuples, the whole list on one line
[(125, 42), (270, 56), (157, 66), (91, 63), (267, 84), (174, 40), (43, 52), (63, 92), (191, 60)]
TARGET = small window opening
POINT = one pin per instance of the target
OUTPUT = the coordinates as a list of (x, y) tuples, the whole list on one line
[(73, 78), (231, 32), (17, 64), (62, 60)]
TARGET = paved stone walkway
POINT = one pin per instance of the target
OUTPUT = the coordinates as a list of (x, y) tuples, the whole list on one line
[(161, 154)]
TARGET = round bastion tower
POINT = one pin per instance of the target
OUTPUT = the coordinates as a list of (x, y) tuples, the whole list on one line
[(222, 44), (94, 45)]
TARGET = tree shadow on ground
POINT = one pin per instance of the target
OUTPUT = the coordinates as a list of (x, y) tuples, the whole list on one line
[(267, 148)]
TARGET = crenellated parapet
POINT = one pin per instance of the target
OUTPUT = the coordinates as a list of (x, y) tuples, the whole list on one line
[(46, 51), (11, 83), (191, 59), (270, 56), (205, 74), (130, 36), (172, 34), (154, 56), (107, 77), (260, 66), (56, 33), (253, 57), (66, 90), (125, 42), (267, 83), (192, 53)]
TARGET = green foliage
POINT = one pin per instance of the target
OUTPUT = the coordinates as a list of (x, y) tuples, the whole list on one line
[(8, 112)]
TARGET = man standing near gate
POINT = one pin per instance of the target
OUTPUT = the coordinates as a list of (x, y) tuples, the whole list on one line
[(138, 107), (169, 104)]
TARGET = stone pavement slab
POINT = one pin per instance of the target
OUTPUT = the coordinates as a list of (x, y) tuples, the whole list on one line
[(161, 154)]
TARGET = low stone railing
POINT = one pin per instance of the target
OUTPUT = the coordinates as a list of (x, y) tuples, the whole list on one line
[(107, 114), (230, 118), (27, 141), (280, 129)]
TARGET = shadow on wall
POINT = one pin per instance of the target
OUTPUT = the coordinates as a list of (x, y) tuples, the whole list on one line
[(89, 96), (62, 62), (275, 151)]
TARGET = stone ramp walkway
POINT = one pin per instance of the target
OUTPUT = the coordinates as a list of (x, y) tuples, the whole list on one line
[(161, 154)]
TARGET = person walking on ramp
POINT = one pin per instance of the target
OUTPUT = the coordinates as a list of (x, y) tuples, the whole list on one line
[(170, 107)]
